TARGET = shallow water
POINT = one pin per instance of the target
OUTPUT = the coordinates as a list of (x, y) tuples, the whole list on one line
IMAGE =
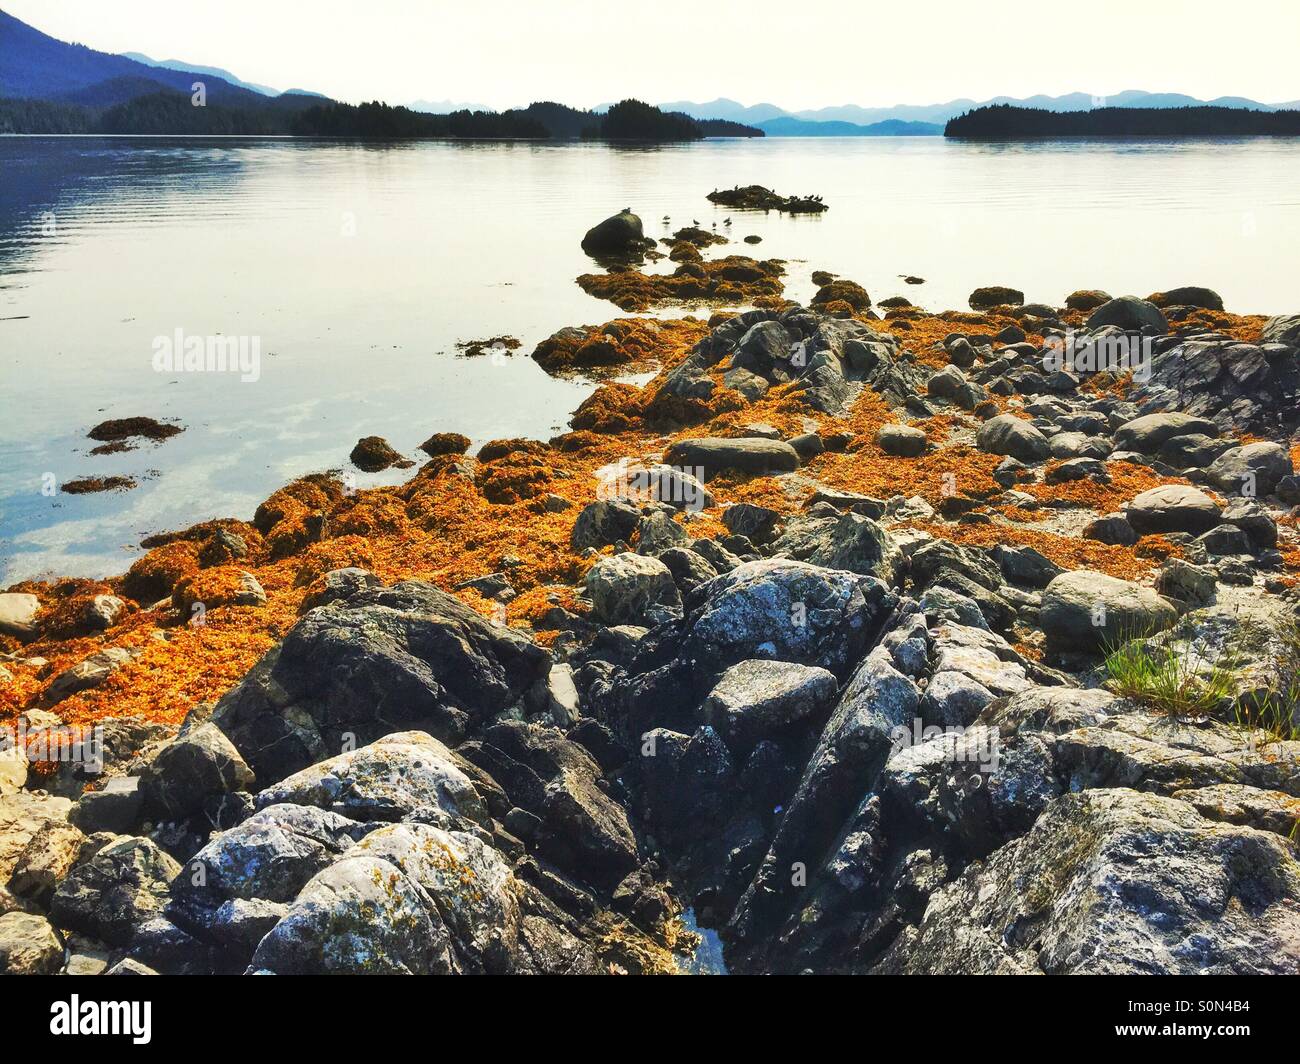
[(358, 268)]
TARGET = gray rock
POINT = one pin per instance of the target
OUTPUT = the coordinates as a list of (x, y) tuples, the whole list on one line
[(620, 234), (1253, 470), (46, 860), (1084, 610), (1079, 445), (386, 659), (1193, 584), (850, 542), (1284, 329), (1113, 529), (1024, 565), (658, 532), (952, 699), (604, 522), (1147, 434), (118, 889), (362, 914), (901, 440), (787, 610), (1189, 296), (756, 523), (1129, 312), (755, 698), (191, 769), (1010, 435), (632, 589), (1172, 508), (713, 456), (562, 697), (1069, 897), (88, 673), (1252, 519), (387, 780)]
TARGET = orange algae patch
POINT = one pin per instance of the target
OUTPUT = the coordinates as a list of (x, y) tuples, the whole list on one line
[(1127, 480), (626, 344), (735, 279), (1066, 551)]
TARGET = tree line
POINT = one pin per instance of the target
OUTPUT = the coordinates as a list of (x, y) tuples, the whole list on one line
[(1008, 122)]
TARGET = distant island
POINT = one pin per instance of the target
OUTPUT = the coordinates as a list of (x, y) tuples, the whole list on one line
[(162, 111), (1005, 122)]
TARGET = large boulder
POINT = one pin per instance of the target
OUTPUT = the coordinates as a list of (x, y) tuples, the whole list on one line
[(382, 660), (788, 611), (387, 780), (604, 522), (849, 541), (748, 455), (1010, 435), (632, 589), (995, 295), (1172, 508), (619, 234), (1147, 434), (1111, 882), (755, 698), (1083, 610), (1188, 296), (1255, 469), (1130, 313)]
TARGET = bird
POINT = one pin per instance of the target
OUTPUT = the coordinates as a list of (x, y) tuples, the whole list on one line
[(726, 221)]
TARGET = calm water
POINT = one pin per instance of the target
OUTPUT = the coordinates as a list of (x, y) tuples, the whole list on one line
[(360, 267)]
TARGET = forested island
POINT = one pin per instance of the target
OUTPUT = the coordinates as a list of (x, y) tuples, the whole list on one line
[(167, 112), (1006, 122)]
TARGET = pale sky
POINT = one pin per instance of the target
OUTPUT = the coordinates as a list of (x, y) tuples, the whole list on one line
[(794, 53)]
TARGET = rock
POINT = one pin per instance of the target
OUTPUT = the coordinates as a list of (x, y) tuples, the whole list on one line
[(384, 659), (1172, 508), (119, 888), (1069, 897), (994, 296), (707, 457), (373, 453), (1077, 469), (658, 532), (620, 234), (104, 611), (1084, 610), (842, 290), (265, 860), (387, 780), (689, 570), (1149, 433), (18, 612), (1234, 803), (755, 698), (1113, 529), (1252, 519), (441, 443), (1188, 296), (22, 816), (1078, 445), (1253, 470), (1087, 299), (1284, 329), (632, 589), (359, 915), (1128, 312), (339, 584), (90, 672), (1010, 435), (604, 522), (1024, 565), (787, 610), (116, 807), (46, 860), (901, 440), (953, 699), (223, 548), (562, 697), (850, 542), (28, 945), (754, 522), (191, 769), (1192, 584), (1224, 540), (130, 966)]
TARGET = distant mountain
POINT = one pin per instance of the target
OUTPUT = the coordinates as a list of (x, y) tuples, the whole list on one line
[(728, 110), (212, 72), (798, 127), (34, 65), (832, 119), (444, 107)]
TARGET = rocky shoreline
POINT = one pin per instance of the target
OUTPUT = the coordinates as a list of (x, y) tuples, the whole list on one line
[(816, 634)]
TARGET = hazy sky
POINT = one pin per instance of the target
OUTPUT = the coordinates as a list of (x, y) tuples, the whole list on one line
[(795, 53)]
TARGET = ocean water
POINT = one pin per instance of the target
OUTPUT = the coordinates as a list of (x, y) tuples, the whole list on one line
[(356, 269)]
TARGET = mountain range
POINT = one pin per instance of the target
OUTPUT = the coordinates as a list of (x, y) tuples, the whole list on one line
[(852, 120)]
